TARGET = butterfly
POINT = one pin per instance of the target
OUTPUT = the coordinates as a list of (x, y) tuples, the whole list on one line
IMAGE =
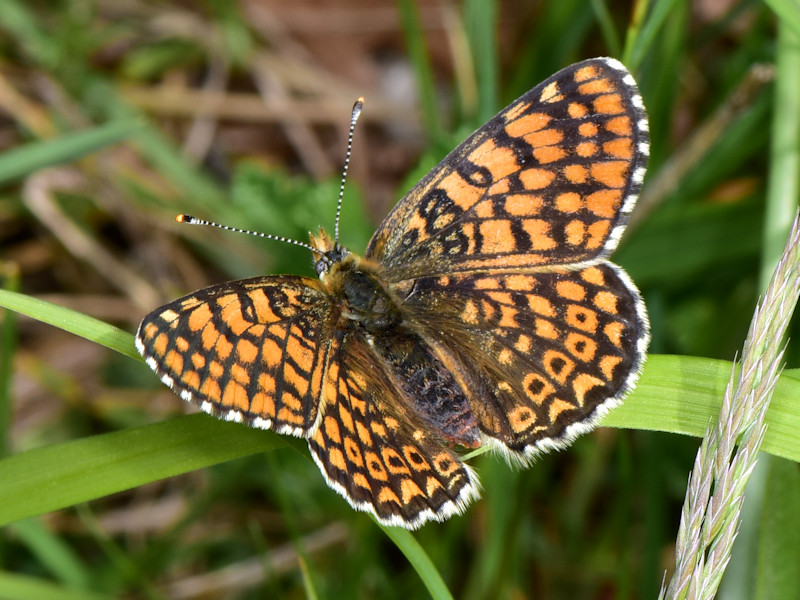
[(484, 311)]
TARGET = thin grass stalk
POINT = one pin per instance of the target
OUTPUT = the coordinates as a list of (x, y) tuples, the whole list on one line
[(634, 29), (782, 196), (729, 451)]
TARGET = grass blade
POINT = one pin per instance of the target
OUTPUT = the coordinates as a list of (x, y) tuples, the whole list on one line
[(70, 146), (420, 60), (54, 477), (421, 562), (69, 320), (675, 394), (20, 587), (788, 11)]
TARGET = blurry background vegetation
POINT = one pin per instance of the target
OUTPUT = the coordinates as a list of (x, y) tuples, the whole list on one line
[(237, 112)]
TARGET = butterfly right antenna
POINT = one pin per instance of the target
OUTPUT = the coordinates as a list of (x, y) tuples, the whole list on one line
[(353, 119)]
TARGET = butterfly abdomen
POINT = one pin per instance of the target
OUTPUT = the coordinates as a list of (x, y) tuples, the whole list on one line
[(428, 386)]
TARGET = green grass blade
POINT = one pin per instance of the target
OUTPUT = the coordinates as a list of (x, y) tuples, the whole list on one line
[(675, 394), (52, 552), (21, 23), (557, 37), (681, 394), (54, 477), (70, 320), (418, 53), (118, 557), (783, 190), (421, 562), (20, 587), (777, 575), (71, 146), (100, 97), (788, 11), (480, 20), (9, 278), (197, 187), (607, 27), (637, 50)]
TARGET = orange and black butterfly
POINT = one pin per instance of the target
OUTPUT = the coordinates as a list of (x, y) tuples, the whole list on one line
[(484, 311)]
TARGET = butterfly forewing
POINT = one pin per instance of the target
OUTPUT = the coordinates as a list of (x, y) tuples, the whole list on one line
[(253, 351), (549, 181)]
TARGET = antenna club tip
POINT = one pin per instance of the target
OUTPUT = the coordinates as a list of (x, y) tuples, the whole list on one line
[(357, 109), (184, 218)]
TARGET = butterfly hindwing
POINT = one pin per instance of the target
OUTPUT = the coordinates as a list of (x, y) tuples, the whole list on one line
[(543, 355), (376, 452)]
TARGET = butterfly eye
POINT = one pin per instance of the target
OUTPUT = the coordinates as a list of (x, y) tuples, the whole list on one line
[(321, 266)]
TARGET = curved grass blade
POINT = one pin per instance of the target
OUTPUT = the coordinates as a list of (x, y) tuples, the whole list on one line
[(676, 394), (69, 320), (682, 394), (421, 562)]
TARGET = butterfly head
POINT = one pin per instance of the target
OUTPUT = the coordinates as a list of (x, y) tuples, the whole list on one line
[(327, 252)]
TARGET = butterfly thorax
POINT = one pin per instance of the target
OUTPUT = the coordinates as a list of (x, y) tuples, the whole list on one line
[(356, 283), (364, 297)]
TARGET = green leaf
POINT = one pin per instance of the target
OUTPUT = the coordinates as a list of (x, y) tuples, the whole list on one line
[(676, 394), (153, 60), (788, 11), (53, 552), (682, 394), (9, 278), (480, 22), (420, 60)]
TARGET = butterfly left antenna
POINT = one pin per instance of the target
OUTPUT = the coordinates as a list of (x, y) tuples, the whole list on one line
[(195, 221), (353, 119)]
